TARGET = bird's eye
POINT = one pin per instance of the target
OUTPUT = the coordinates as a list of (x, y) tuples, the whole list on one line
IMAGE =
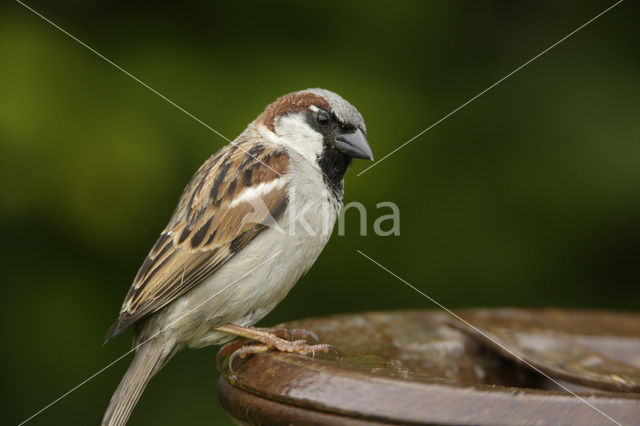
[(323, 119)]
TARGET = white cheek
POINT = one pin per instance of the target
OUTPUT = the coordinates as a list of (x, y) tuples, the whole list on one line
[(297, 135)]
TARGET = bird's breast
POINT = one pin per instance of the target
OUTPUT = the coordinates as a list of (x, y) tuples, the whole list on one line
[(259, 276)]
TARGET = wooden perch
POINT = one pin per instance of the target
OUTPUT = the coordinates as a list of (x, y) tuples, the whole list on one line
[(427, 367)]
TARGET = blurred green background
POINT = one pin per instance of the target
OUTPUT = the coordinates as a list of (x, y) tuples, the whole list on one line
[(529, 196)]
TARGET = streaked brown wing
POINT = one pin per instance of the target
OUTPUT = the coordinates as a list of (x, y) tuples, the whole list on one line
[(208, 226)]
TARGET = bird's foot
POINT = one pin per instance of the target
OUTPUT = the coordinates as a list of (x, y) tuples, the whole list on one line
[(229, 349), (291, 333), (279, 330), (271, 339)]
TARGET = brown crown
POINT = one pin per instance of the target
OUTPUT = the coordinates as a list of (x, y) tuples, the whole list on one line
[(297, 101)]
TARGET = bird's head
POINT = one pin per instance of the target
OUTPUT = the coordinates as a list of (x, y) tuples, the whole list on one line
[(319, 125)]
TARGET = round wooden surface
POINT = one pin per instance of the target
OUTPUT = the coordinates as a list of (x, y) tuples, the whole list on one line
[(422, 367)]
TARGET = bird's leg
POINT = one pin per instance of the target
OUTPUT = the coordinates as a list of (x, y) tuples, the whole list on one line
[(279, 330), (291, 333), (271, 341)]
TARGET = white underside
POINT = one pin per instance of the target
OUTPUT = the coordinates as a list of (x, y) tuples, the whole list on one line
[(259, 276)]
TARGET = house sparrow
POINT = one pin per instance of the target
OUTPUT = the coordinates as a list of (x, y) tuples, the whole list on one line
[(252, 220)]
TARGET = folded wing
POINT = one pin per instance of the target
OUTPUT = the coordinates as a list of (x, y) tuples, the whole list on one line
[(234, 195)]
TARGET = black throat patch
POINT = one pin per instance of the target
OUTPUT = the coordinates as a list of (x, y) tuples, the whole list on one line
[(334, 165)]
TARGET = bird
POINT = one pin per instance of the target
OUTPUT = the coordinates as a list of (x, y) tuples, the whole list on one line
[(252, 220)]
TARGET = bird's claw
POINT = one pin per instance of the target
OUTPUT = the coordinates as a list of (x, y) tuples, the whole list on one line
[(229, 349), (274, 339)]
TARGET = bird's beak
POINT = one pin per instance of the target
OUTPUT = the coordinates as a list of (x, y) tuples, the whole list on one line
[(354, 145)]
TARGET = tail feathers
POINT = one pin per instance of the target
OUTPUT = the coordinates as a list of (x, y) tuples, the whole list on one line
[(149, 358)]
